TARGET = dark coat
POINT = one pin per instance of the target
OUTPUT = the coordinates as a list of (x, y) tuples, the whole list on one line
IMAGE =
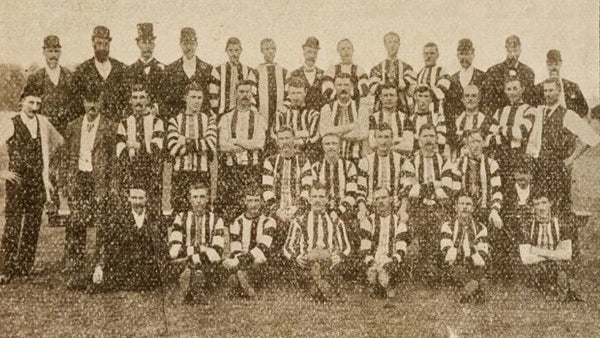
[(314, 93), (493, 85), (154, 80), (177, 81), (573, 97), (453, 105), (57, 100), (114, 87)]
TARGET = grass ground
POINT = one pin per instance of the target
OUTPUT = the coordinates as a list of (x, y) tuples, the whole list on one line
[(41, 306)]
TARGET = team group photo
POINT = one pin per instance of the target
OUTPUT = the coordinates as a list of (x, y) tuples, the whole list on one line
[(193, 198)]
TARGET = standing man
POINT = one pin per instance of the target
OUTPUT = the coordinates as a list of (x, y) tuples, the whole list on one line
[(553, 144), (344, 118), (31, 140), (389, 112), (466, 75), (312, 75), (185, 70), (242, 134), (433, 75), (395, 71), (226, 77), (358, 77), (139, 145), (149, 71), (89, 176), (105, 73), (571, 96), (493, 85), (192, 144), (271, 87)]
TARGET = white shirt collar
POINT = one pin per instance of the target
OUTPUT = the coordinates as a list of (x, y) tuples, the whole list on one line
[(103, 68), (139, 219), (465, 76), (522, 194), (53, 74), (146, 63), (30, 123)]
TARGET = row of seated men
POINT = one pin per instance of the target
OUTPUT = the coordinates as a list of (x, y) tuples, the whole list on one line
[(317, 252)]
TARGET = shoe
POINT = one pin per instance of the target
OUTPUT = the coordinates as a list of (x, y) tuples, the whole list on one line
[(242, 278)]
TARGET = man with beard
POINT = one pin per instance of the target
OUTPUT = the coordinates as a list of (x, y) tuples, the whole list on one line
[(192, 142), (105, 73), (379, 169), (139, 146), (514, 124), (428, 200), (547, 252), (88, 176), (344, 118), (318, 246), (358, 77), (471, 118), (30, 140), (148, 70), (181, 73), (395, 71), (553, 144), (311, 74), (425, 112), (242, 134), (303, 121), (465, 250), (251, 237), (198, 237), (493, 85), (571, 96), (467, 75), (390, 113), (226, 77), (384, 239), (271, 79)]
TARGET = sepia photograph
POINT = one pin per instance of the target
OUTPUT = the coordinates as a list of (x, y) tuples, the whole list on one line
[(342, 168)]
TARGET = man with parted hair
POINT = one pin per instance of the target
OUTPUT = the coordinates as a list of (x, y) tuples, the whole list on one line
[(198, 239), (395, 71), (192, 143), (358, 77), (227, 77), (251, 238), (318, 245)]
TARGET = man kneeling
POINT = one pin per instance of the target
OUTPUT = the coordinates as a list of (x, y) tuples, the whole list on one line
[(131, 255), (465, 249), (318, 244), (197, 240), (251, 236), (384, 239), (548, 252)]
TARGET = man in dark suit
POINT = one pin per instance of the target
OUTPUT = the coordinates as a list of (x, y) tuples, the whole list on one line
[(571, 96), (105, 73), (466, 75), (148, 70), (87, 176), (311, 74), (493, 85), (187, 69)]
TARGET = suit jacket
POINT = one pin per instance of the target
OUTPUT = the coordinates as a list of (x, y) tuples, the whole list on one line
[(177, 80), (517, 218), (57, 99), (574, 98), (154, 80), (314, 93), (454, 105), (114, 86), (103, 156), (493, 85)]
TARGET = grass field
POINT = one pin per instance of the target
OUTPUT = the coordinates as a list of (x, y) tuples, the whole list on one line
[(41, 306)]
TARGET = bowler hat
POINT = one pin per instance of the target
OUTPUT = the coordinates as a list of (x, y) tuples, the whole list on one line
[(311, 42), (101, 32), (52, 41)]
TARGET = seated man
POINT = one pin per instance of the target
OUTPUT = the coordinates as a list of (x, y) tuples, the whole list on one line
[(547, 251), (384, 238), (250, 235), (465, 250), (471, 118), (318, 245), (198, 239), (131, 254)]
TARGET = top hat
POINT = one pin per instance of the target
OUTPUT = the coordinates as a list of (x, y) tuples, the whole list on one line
[(101, 32), (145, 31), (187, 34)]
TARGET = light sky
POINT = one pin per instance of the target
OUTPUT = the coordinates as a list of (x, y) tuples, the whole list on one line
[(570, 26)]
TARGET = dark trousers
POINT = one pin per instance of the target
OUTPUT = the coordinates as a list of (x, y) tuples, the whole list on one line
[(24, 207), (425, 223), (180, 186), (554, 178), (88, 208), (233, 180)]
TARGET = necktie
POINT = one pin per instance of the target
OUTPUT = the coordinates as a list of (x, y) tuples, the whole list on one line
[(547, 112), (90, 126)]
